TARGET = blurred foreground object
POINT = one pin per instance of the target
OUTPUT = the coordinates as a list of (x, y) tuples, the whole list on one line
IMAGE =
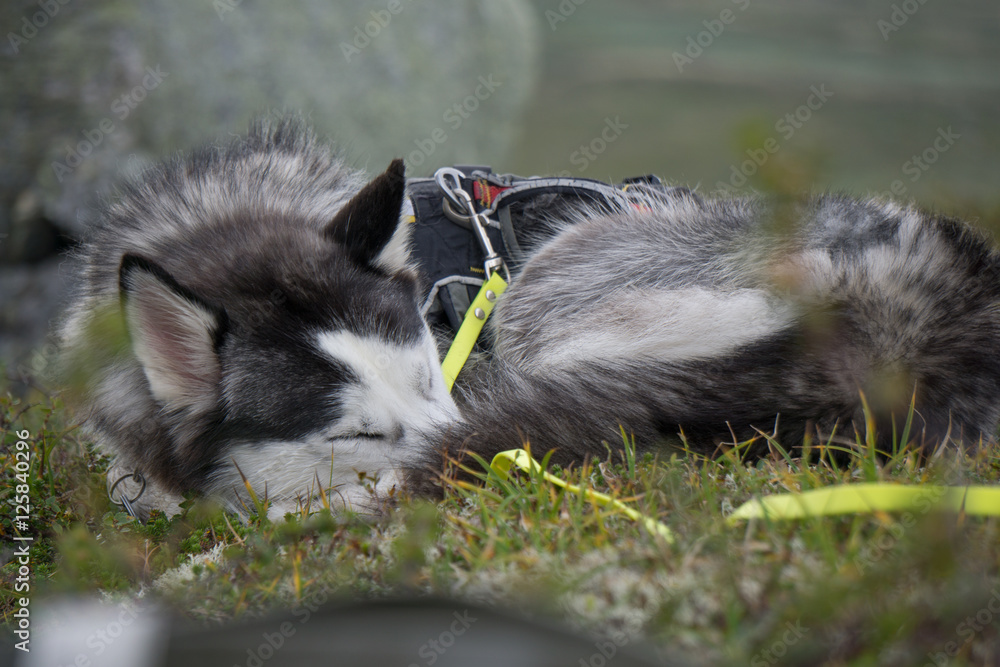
[(417, 632)]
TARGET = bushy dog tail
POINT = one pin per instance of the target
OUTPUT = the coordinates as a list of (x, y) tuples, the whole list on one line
[(895, 315)]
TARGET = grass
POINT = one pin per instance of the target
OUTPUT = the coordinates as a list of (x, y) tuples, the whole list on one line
[(874, 589)]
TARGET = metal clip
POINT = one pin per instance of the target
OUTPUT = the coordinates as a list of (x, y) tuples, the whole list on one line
[(458, 199), (123, 499), (442, 176)]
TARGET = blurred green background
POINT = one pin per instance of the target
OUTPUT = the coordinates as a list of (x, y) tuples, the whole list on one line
[(892, 90)]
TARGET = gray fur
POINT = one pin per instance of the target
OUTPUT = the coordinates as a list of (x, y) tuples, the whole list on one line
[(862, 299)]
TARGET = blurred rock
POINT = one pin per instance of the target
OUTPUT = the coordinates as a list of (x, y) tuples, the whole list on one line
[(30, 298), (92, 92)]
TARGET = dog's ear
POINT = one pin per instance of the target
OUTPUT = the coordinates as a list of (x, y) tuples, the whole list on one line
[(174, 335), (368, 226)]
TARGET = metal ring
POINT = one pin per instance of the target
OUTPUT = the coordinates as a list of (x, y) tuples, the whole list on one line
[(455, 216), (464, 220), (124, 500)]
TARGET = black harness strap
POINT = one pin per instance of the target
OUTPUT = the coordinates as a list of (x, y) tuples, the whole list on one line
[(448, 255), (447, 251)]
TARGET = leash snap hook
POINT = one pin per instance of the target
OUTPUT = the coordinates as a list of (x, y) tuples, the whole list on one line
[(449, 180), (458, 199)]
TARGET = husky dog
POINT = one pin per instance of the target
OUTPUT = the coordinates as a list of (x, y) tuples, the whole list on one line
[(273, 334)]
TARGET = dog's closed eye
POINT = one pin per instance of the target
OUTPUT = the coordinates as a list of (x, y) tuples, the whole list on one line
[(359, 435)]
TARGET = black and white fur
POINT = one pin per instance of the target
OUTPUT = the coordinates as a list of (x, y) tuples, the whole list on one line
[(273, 319), (272, 326)]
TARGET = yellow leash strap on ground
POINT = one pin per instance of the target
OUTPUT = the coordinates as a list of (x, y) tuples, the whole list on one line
[(503, 461), (872, 497), (468, 333)]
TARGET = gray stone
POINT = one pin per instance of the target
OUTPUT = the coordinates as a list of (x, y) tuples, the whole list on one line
[(94, 91)]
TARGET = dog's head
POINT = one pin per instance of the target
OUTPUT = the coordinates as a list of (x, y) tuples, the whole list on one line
[(292, 353)]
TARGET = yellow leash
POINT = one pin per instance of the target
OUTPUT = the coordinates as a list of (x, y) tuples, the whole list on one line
[(872, 497), (472, 325), (503, 462), (830, 501)]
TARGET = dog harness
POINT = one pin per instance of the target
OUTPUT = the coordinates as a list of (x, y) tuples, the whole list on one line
[(447, 244), (465, 242)]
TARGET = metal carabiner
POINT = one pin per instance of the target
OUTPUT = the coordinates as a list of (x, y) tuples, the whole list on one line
[(441, 176), (462, 200)]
